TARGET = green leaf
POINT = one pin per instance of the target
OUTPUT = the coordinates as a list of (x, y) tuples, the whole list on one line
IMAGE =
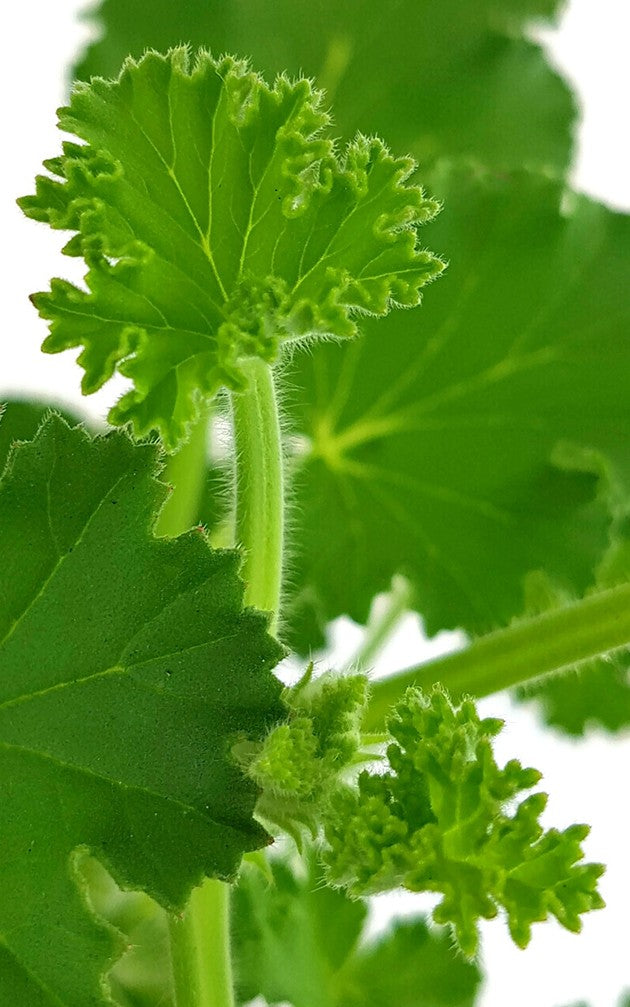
[(301, 762), (128, 668), (409, 965), (297, 940), (217, 222), (454, 78), (438, 821), (291, 937), (465, 446), (597, 694), (21, 419)]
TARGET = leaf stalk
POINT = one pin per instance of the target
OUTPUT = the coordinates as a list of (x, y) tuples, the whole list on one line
[(551, 642), (259, 527), (200, 948)]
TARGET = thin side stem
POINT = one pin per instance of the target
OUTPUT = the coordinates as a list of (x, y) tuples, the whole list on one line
[(200, 938), (380, 629), (259, 489), (200, 949), (550, 642)]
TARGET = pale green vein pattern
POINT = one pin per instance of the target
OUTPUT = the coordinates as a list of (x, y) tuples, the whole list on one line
[(127, 668), (470, 452), (217, 221)]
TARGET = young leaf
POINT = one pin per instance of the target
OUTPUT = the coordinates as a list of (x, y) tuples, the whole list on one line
[(438, 822), (217, 222), (301, 762), (459, 77), (297, 940), (128, 668), (464, 446)]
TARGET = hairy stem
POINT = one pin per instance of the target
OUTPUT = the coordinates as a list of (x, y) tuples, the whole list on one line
[(200, 943), (199, 939), (526, 650), (200, 948), (259, 489), (379, 629)]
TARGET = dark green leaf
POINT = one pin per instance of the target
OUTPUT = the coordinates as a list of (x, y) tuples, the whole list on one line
[(458, 77), (128, 667), (21, 419), (464, 446)]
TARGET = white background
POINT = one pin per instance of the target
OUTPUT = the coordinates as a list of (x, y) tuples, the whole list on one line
[(587, 781)]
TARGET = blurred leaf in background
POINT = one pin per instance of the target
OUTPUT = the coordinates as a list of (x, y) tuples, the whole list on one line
[(455, 78)]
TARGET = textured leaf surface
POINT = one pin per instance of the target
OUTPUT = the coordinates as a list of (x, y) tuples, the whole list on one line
[(127, 669), (217, 222), (462, 447), (20, 420), (440, 820), (302, 761), (296, 940), (439, 79)]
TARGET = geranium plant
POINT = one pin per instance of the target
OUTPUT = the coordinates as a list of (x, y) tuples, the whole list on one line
[(180, 828)]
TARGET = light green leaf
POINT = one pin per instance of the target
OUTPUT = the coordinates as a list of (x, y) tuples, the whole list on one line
[(410, 965), (465, 446), (128, 668), (217, 222), (302, 761), (142, 976), (444, 819), (459, 77), (299, 941)]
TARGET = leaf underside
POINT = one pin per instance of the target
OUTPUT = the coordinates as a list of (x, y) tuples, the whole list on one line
[(296, 940), (128, 668), (480, 440), (458, 78), (217, 222)]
